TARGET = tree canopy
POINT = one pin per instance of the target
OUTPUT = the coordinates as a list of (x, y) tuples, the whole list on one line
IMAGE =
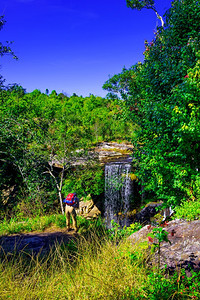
[(37, 130), (162, 95)]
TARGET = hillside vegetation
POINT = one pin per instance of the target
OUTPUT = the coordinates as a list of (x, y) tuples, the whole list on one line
[(154, 104), (37, 130), (162, 95)]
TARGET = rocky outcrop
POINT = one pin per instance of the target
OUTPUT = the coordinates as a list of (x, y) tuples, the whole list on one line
[(183, 251), (103, 152), (145, 215), (88, 210), (150, 214), (113, 151)]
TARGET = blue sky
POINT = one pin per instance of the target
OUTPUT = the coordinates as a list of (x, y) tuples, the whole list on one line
[(73, 46)]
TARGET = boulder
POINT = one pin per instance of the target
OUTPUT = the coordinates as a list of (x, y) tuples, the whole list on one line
[(88, 209), (145, 215), (85, 207), (149, 214), (183, 251), (94, 213)]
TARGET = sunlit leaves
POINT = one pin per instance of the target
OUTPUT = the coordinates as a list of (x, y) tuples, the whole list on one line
[(163, 98)]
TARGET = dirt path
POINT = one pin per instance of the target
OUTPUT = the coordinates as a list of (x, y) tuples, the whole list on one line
[(35, 242)]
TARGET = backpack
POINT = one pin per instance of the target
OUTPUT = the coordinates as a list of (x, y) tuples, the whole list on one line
[(72, 200)]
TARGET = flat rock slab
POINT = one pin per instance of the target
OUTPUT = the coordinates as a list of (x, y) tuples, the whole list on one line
[(34, 242), (184, 250)]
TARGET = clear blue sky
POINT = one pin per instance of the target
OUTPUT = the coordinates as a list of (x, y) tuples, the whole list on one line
[(73, 46)]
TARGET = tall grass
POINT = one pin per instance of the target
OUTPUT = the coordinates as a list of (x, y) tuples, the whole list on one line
[(29, 224), (94, 270), (90, 269), (100, 264)]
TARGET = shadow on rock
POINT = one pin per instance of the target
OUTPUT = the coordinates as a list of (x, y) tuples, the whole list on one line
[(34, 243)]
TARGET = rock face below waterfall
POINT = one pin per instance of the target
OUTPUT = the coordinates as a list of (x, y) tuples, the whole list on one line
[(184, 250), (145, 215)]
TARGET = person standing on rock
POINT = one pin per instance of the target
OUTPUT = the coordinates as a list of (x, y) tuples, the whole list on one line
[(72, 202)]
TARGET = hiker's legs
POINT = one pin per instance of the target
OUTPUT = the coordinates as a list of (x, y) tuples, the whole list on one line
[(67, 212), (73, 214)]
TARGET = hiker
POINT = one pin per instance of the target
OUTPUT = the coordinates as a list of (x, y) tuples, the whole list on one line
[(71, 202)]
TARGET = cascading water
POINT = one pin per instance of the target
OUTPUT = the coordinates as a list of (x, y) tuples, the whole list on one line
[(118, 189)]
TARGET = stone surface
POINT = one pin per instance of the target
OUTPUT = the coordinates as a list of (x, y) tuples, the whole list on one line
[(103, 152), (184, 250), (150, 215), (145, 215), (113, 151), (88, 209), (35, 242)]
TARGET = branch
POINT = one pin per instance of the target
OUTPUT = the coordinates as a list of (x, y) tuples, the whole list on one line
[(148, 4), (158, 16), (59, 188)]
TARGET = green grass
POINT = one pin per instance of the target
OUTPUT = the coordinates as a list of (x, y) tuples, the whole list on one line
[(92, 269), (13, 226), (99, 264), (30, 224)]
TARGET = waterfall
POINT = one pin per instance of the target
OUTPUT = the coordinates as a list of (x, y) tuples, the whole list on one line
[(118, 189)]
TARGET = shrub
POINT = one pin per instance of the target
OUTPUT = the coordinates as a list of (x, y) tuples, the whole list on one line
[(189, 210)]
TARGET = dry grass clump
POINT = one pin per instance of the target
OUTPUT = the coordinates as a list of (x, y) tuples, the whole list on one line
[(91, 270)]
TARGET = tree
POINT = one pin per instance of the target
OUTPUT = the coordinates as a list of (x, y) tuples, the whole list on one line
[(5, 49), (22, 144), (42, 136), (148, 4), (167, 91)]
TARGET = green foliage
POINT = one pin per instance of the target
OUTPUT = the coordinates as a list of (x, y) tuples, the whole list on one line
[(189, 210), (95, 226), (60, 221), (20, 224), (4, 48), (140, 4), (39, 130), (116, 233), (85, 180), (16, 225), (177, 286), (162, 96), (160, 234)]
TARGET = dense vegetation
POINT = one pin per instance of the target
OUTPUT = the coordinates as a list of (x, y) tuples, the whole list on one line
[(163, 94), (155, 104), (38, 131)]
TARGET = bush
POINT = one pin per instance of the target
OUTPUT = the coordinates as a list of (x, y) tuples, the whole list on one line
[(189, 210), (116, 233), (178, 286)]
